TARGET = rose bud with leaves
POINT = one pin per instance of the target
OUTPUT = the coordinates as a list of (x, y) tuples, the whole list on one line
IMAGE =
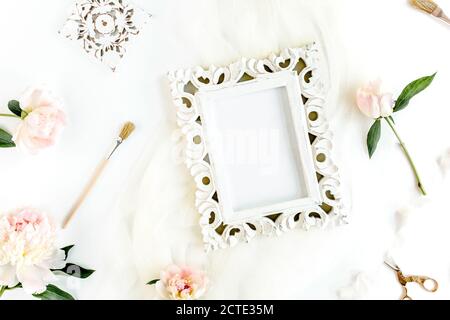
[(379, 105)]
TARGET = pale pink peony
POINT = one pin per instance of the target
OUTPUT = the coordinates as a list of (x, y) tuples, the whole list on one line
[(374, 103), (181, 283), (42, 123), (28, 251)]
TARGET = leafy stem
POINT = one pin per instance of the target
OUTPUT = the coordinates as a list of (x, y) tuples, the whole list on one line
[(9, 115), (408, 156), (2, 290)]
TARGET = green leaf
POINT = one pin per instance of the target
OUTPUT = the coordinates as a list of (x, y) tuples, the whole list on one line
[(66, 251), (14, 107), (6, 139), (373, 137), (411, 90), (53, 293), (75, 271), (153, 282), (392, 119)]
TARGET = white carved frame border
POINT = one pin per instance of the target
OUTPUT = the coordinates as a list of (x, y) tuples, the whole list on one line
[(185, 84)]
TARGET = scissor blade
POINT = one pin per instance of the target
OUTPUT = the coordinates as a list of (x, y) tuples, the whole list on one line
[(393, 267)]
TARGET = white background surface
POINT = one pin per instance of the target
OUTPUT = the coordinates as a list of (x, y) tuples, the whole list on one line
[(140, 217)]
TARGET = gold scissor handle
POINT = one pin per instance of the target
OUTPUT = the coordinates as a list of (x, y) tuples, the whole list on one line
[(432, 286), (405, 294), (428, 284), (420, 280)]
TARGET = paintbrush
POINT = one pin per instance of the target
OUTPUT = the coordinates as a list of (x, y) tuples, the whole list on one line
[(432, 8), (126, 131)]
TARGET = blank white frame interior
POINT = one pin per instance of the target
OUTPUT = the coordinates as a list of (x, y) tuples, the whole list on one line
[(258, 146), (249, 124)]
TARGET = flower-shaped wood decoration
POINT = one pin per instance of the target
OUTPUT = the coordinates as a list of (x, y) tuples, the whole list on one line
[(104, 27)]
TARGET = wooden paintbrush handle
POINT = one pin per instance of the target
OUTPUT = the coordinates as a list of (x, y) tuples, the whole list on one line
[(445, 18), (439, 13), (87, 189)]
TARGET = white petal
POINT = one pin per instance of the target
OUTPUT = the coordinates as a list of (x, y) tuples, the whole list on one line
[(56, 261), (161, 290), (35, 97), (386, 105), (8, 276), (368, 103), (374, 87), (26, 98), (168, 273), (34, 279)]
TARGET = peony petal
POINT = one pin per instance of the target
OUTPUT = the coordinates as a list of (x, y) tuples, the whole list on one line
[(368, 104), (18, 134), (169, 272), (374, 109), (26, 98), (56, 261), (43, 124), (374, 87), (33, 97), (22, 140), (34, 279), (161, 290), (8, 276), (386, 105)]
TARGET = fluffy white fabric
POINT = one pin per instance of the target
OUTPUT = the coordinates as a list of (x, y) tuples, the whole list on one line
[(158, 218)]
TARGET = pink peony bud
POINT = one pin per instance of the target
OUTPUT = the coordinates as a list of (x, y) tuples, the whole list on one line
[(373, 103), (42, 123)]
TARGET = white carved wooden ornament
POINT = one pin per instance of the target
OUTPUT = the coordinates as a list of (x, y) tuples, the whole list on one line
[(103, 28)]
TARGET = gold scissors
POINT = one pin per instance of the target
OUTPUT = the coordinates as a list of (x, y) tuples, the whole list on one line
[(420, 280)]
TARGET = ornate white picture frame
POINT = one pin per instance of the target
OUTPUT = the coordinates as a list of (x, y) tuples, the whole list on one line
[(258, 146)]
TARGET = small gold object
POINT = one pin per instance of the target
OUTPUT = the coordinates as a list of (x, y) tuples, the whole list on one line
[(432, 8), (420, 280), (127, 130)]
